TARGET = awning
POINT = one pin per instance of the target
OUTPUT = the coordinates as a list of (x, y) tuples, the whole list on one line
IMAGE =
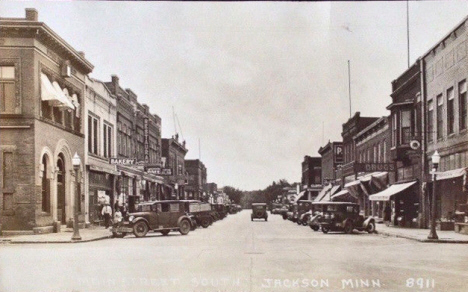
[(334, 190), (65, 99), (385, 195), (340, 194), (449, 174), (322, 193), (51, 94)]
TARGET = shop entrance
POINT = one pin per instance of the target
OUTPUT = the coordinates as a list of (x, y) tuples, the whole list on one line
[(61, 214)]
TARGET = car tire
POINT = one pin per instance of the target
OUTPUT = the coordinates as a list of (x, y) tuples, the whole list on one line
[(325, 229), (165, 232), (348, 228), (315, 227), (371, 227), (205, 223), (119, 234), (184, 227), (285, 217), (266, 218), (140, 229)]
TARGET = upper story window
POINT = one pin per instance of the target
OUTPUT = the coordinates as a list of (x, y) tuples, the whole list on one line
[(450, 111), (405, 130), (7, 89), (394, 128), (93, 135), (107, 140), (462, 104), (430, 121), (440, 116)]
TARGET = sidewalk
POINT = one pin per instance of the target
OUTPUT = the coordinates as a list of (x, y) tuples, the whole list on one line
[(88, 234), (421, 234)]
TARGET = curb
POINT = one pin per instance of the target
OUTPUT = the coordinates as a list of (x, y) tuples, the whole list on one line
[(422, 240), (10, 241)]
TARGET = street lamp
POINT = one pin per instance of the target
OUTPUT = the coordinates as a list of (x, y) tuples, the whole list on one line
[(76, 161), (435, 164)]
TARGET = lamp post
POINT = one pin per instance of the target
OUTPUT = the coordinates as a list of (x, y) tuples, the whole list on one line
[(76, 161), (435, 164)]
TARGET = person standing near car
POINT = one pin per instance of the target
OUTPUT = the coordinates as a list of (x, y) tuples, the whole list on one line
[(107, 213)]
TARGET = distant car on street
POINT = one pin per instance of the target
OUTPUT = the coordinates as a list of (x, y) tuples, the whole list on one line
[(159, 216), (259, 211), (344, 216)]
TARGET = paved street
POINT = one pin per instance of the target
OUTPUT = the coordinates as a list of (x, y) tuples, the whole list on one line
[(237, 255)]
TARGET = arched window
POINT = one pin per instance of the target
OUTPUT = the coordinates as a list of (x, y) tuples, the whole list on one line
[(45, 186)]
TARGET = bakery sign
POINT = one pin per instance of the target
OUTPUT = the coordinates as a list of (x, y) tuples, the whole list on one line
[(122, 161)]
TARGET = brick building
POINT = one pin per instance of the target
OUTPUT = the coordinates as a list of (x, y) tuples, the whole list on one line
[(42, 89), (445, 70), (139, 141), (174, 153), (353, 126), (332, 158), (196, 179)]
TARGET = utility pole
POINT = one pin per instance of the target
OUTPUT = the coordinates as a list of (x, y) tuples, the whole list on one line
[(407, 31)]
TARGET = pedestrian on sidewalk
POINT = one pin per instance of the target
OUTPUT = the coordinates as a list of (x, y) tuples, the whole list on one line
[(387, 214), (107, 213), (117, 217)]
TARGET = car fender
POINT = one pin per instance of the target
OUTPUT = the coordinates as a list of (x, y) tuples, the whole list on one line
[(138, 219), (185, 217), (315, 218), (367, 221)]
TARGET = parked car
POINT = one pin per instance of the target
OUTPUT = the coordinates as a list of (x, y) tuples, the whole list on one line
[(200, 211), (159, 216), (221, 210), (292, 213), (259, 210), (304, 208), (344, 216)]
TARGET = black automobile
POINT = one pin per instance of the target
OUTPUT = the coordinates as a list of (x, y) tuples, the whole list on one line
[(259, 211), (158, 216), (200, 211), (344, 216)]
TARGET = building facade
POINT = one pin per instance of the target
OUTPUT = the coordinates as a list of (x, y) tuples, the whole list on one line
[(196, 179), (311, 179), (332, 159), (42, 90), (173, 152), (445, 71)]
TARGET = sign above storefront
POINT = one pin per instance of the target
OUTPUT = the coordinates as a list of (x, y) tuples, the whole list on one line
[(369, 167), (159, 171), (338, 153), (122, 161)]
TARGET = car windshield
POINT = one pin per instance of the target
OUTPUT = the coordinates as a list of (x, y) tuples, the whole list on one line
[(332, 208)]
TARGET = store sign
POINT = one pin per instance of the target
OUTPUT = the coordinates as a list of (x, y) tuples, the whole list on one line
[(338, 153), (370, 167), (146, 139), (159, 171), (122, 161)]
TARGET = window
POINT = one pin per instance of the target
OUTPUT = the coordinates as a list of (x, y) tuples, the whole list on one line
[(7, 89), (394, 129), (430, 121), (93, 134), (384, 151), (107, 140), (405, 134), (375, 154), (462, 104), (450, 112), (440, 117)]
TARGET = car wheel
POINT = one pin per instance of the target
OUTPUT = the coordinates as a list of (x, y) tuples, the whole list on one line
[(205, 223), (119, 234), (266, 218), (370, 227), (314, 227), (299, 222), (140, 229), (348, 228), (325, 229), (285, 217), (165, 232), (184, 227)]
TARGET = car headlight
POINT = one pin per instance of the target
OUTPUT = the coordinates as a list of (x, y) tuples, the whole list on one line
[(131, 218)]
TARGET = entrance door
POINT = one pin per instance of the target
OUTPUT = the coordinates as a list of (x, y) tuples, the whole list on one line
[(61, 191)]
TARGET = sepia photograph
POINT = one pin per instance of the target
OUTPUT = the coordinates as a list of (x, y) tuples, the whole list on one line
[(238, 146)]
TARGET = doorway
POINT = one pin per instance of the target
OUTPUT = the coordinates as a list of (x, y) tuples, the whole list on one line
[(61, 214)]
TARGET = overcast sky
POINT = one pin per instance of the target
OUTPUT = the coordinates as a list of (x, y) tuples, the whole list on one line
[(260, 84)]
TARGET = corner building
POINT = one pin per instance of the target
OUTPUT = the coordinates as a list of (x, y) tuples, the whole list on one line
[(42, 88)]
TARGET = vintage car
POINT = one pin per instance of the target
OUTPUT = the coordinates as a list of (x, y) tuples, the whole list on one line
[(200, 211), (159, 216), (276, 207), (304, 208), (343, 216), (292, 213), (221, 210), (259, 210)]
